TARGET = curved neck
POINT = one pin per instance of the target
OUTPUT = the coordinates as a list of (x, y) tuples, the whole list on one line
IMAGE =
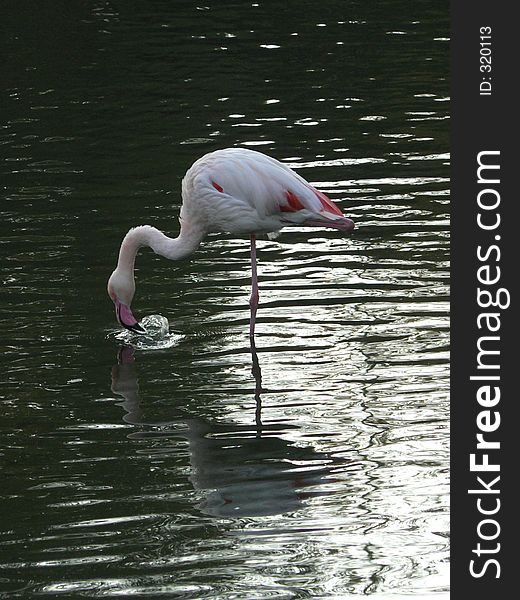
[(145, 235)]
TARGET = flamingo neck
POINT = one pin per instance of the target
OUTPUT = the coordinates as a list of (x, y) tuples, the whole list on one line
[(145, 235)]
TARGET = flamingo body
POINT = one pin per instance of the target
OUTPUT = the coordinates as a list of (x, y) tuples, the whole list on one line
[(234, 190), (242, 191)]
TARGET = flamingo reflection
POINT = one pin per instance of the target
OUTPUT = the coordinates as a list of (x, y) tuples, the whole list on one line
[(239, 470)]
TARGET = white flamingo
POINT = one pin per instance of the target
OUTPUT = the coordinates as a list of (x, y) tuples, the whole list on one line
[(234, 190)]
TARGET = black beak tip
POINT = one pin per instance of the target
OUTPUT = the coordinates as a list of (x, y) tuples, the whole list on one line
[(136, 328)]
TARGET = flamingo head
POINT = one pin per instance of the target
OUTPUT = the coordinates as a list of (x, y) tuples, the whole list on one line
[(121, 290)]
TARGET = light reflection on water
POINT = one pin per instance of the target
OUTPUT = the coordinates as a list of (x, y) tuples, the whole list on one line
[(192, 465)]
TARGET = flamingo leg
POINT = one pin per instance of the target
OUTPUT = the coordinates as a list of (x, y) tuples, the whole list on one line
[(253, 301)]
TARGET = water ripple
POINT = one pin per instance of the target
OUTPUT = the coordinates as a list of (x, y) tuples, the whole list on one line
[(188, 463)]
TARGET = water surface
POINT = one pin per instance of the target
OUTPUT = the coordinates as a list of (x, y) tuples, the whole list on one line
[(315, 465)]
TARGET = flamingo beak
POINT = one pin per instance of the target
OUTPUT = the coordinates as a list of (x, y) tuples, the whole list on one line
[(126, 318)]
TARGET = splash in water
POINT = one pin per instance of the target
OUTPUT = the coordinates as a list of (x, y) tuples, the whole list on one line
[(157, 336)]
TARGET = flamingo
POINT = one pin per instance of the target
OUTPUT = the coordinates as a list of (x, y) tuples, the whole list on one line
[(234, 190)]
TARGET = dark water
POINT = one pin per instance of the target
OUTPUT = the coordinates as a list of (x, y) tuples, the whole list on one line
[(173, 469)]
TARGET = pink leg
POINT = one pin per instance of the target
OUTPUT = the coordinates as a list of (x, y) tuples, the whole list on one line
[(253, 301)]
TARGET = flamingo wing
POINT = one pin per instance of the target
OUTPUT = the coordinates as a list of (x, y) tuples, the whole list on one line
[(250, 186)]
